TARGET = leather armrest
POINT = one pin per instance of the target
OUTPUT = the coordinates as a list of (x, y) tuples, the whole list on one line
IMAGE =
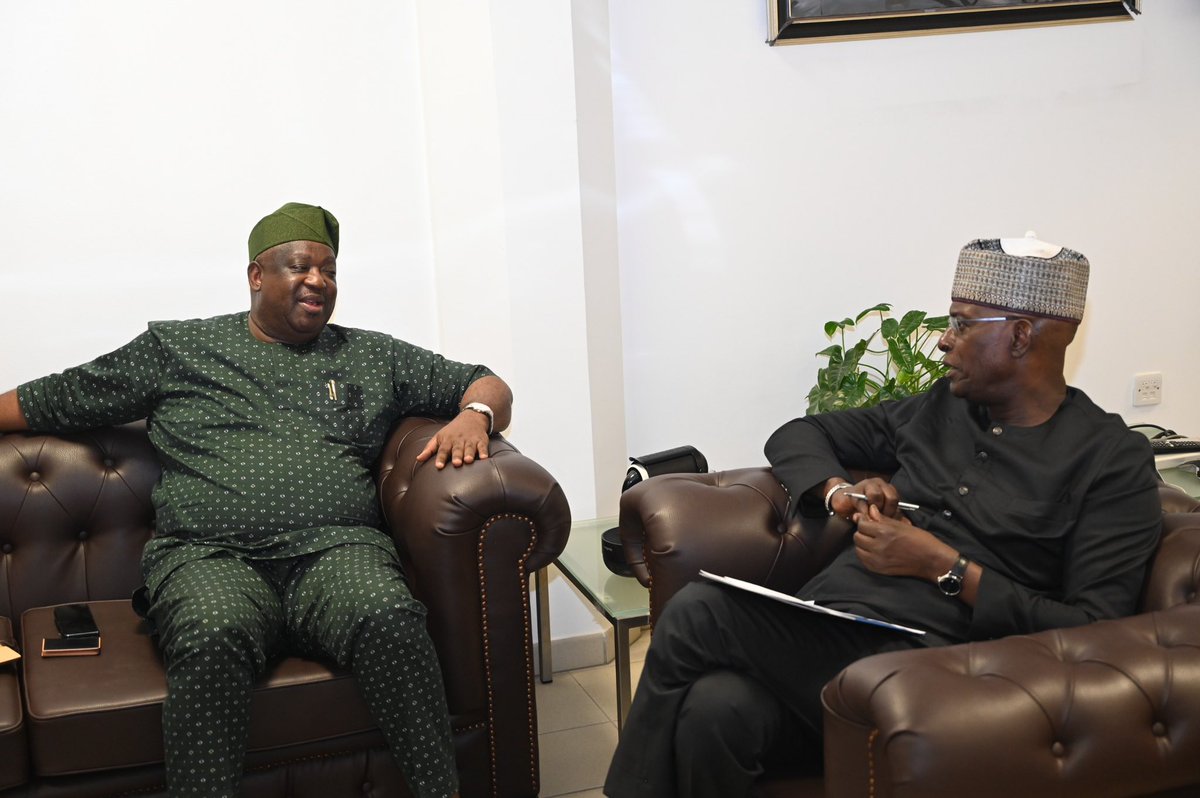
[(1177, 500), (14, 749), (1175, 572), (469, 538), (733, 523), (456, 503), (1103, 709)]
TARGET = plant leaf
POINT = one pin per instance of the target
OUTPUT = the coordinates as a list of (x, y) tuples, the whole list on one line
[(903, 360), (911, 322), (937, 323), (882, 307)]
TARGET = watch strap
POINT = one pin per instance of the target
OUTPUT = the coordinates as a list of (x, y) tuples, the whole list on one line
[(480, 407), (829, 494)]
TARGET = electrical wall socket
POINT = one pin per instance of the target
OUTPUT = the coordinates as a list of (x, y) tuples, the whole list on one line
[(1147, 388)]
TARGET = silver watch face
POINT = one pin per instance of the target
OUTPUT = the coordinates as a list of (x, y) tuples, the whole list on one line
[(950, 584)]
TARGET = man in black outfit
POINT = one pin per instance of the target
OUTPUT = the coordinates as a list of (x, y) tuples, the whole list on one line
[(1036, 510)]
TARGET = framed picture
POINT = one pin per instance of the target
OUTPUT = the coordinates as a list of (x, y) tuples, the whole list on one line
[(802, 21)]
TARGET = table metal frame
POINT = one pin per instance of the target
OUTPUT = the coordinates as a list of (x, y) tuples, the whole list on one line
[(623, 619)]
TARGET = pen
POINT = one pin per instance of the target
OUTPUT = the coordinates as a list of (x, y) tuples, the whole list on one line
[(902, 505)]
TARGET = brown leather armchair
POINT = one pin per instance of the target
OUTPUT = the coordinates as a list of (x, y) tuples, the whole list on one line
[(74, 515), (1108, 709)]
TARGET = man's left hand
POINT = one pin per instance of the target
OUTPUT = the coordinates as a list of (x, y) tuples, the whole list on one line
[(462, 441), (894, 546)]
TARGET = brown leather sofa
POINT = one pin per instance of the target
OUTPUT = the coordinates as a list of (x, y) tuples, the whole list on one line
[(74, 515), (1105, 710)]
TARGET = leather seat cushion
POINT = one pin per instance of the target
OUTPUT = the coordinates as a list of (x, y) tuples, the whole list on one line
[(91, 713)]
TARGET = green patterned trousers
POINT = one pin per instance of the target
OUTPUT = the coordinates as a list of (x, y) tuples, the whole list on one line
[(222, 620)]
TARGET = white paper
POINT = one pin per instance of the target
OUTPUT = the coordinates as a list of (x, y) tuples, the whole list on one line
[(7, 654), (805, 605)]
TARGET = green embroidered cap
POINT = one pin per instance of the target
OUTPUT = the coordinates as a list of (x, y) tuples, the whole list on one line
[(295, 221)]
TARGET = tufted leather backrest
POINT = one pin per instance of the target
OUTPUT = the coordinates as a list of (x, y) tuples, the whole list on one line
[(75, 513), (1105, 709)]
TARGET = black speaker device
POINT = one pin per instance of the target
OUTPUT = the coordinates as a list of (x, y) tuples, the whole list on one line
[(680, 460)]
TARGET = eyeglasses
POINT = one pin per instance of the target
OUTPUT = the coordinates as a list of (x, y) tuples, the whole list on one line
[(959, 325)]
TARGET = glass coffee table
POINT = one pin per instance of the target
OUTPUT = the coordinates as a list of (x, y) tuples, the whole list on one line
[(620, 599)]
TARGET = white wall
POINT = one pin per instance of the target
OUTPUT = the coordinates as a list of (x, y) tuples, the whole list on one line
[(142, 140), (763, 191)]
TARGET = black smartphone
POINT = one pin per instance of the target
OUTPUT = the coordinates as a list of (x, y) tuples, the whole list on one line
[(75, 620), (70, 646)]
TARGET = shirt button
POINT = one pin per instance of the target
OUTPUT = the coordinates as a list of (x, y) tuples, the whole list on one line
[(996, 430), (982, 457), (947, 514), (963, 490)]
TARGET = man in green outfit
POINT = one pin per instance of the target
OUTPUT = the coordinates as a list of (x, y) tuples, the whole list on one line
[(267, 424)]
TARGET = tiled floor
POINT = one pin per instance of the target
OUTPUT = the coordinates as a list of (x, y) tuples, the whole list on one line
[(577, 722)]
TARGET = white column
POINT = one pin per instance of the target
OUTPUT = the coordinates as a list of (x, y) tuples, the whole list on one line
[(598, 192), (518, 120)]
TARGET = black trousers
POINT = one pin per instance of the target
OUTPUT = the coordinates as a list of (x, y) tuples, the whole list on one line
[(731, 683)]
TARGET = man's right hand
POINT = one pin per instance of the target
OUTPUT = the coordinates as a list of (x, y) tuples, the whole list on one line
[(461, 442), (879, 492)]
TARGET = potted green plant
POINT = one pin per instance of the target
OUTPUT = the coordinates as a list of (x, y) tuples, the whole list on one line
[(859, 376)]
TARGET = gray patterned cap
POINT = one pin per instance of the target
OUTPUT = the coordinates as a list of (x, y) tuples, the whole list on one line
[(1055, 287)]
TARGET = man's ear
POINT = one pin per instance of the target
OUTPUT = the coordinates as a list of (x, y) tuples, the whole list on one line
[(254, 275), (1022, 338)]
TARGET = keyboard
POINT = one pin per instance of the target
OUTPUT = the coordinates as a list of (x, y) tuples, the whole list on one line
[(1176, 445)]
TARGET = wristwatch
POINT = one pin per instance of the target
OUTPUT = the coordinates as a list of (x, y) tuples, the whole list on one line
[(951, 582), (480, 407)]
